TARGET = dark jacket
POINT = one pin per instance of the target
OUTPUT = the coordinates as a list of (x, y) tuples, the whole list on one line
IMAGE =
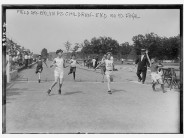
[(142, 65)]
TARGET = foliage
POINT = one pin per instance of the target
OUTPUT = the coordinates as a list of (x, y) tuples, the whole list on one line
[(44, 53)]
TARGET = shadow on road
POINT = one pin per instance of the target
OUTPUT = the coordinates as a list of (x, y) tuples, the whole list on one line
[(15, 91), (114, 91), (69, 93)]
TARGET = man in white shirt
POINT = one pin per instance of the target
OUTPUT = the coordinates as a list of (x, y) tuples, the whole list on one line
[(73, 63), (109, 70), (59, 64), (26, 60), (93, 61), (122, 60)]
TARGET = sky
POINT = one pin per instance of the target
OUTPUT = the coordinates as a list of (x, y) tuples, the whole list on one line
[(50, 29)]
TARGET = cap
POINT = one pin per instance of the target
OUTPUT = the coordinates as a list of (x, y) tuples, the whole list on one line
[(59, 50), (109, 53), (143, 50)]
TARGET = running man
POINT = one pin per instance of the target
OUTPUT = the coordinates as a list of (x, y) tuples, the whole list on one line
[(39, 67), (156, 75), (93, 61), (73, 63), (109, 70), (59, 64), (102, 67)]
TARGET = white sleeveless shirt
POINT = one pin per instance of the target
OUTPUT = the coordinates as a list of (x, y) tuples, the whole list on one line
[(59, 64), (109, 64), (73, 63)]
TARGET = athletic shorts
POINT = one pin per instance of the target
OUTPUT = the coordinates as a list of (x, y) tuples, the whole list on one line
[(156, 77), (103, 69), (58, 74), (108, 73), (72, 69), (39, 69)]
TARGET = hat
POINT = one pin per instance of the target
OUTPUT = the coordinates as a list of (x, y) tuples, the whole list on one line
[(109, 53), (143, 50), (59, 50)]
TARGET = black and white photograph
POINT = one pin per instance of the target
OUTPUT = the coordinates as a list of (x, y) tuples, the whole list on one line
[(92, 69)]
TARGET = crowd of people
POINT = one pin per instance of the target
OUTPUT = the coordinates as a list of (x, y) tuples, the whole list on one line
[(16, 56)]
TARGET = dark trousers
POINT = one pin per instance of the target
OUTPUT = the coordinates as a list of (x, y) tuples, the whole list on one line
[(143, 71), (26, 63)]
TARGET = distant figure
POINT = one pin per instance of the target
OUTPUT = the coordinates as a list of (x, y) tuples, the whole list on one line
[(93, 61), (142, 62), (122, 60), (26, 60), (73, 63), (103, 69), (29, 59), (39, 67), (109, 70), (96, 62), (88, 62)]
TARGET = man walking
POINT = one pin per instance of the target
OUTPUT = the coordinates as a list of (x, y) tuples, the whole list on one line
[(143, 63)]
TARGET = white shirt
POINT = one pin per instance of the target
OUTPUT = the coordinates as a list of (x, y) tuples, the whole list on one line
[(142, 56), (112, 58), (59, 64), (93, 60), (73, 63), (109, 64), (25, 57)]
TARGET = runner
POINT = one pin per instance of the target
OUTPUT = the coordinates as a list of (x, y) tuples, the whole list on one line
[(155, 73), (72, 63), (59, 64), (109, 70), (93, 61), (39, 67), (103, 67)]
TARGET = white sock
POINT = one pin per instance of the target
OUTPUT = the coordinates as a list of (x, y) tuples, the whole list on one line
[(108, 85)]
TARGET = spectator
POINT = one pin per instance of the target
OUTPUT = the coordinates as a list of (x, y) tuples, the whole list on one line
[(122, 60), (26, 60), (93, 61), (96, 62), (29, 59)]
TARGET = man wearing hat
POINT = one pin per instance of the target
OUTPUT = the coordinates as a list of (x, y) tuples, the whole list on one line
[(143, 63)]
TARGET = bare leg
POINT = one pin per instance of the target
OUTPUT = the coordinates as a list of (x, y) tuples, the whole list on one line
[(55, 82), (162, 85), (39, 75), (74, 75), (60, 84), (102, 77), (153, 86), (108, 84)]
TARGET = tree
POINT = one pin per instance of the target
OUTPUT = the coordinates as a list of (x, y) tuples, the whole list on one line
[(161, 48), (68, 46), (76, 47), (44, 53), (100, 45), (125, 49)]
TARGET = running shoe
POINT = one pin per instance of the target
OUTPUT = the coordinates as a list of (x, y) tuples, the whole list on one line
[(109, 92), (59, 91), (48, 91)]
